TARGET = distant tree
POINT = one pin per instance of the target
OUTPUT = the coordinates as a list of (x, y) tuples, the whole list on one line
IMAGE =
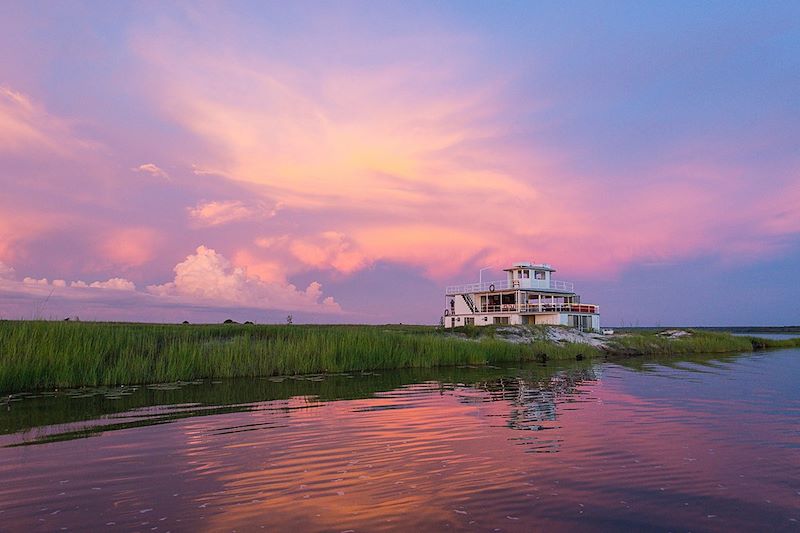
[(229, 321), (185, 322), (289, 320), (248, 323)]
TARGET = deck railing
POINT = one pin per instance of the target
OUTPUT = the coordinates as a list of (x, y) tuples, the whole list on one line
[(541, 308), (504, 285)]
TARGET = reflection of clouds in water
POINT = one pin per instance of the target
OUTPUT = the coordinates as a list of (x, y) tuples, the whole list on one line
[(434, 450)]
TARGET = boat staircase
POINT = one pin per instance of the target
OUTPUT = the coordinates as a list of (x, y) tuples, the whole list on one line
[(470, 302)]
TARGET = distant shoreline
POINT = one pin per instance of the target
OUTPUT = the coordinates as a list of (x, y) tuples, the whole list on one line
[(41, 355), (725, 329)]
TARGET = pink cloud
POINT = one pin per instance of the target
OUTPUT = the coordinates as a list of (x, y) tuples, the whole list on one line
[(329, 249), (407, 163), (26, 126), (128, 247), (217, 213), (291, 166), (153, 170), (208, 277), (271, 269)]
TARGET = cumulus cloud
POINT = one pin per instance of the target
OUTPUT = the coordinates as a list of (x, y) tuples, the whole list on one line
[(117, 284), (8, 281), (207, 277), (204, 279), (152, 169)]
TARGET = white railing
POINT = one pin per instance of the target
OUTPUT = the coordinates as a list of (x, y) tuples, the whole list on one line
[(541, 308), (562, 285), (504, 284), (469, 288)]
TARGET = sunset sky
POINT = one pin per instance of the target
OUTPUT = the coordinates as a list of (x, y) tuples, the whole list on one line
[(343, 162)]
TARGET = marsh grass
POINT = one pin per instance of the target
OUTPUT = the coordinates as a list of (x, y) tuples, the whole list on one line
[(44, 355), (37, 355), (697, 342)]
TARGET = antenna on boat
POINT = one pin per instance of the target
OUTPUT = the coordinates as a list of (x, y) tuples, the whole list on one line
[(480, 273)]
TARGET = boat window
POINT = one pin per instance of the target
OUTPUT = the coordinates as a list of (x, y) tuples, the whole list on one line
[(526, 273)]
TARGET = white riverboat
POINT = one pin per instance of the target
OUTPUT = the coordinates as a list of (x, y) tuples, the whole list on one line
[(528, 295)]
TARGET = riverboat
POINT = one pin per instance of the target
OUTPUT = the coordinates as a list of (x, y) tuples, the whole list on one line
[(528, 295)]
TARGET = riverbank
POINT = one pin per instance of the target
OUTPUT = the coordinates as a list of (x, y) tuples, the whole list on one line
[(45, 355)]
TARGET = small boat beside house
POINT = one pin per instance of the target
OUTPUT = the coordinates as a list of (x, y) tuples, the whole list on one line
[(528, 295)]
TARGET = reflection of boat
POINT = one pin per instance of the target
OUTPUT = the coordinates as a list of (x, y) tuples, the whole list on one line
[(527, 296), (533, 402)]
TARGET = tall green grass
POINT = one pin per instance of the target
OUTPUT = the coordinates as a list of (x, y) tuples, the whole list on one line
[(697, 342), (42, 355), (45, 355)]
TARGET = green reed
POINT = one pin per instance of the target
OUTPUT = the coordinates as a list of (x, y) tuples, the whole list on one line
[(44, 355), (697, 342)]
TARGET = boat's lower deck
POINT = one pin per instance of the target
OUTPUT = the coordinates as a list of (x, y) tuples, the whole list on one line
[(585, 321)]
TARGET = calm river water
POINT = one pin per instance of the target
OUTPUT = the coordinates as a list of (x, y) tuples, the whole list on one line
[(703, 444)]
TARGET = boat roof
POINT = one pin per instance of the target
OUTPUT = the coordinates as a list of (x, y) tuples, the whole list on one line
[(534, 266)]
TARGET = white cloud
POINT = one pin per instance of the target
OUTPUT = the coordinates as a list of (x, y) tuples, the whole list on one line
[(9, 281), (209, 278), (117, 284), (152, 169), (205, 278)]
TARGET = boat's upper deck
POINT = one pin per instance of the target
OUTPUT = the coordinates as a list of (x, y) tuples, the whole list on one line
[(547, 285)]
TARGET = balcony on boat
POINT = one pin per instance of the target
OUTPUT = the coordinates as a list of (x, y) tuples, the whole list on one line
[(505, 285), (542, 307)]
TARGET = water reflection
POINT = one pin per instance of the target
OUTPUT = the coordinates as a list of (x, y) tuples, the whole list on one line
[(706, 443), (62, 415)]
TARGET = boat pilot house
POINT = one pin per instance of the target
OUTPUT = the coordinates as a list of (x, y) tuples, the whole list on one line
[(528, 295)]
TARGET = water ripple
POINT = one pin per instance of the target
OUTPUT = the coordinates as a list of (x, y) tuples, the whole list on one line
[(702, 444)]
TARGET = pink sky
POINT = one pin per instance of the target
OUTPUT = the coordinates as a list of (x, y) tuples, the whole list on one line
[(162, 163)]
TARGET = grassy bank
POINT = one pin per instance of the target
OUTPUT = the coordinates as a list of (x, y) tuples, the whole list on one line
[(696, 341), (45, 355)]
